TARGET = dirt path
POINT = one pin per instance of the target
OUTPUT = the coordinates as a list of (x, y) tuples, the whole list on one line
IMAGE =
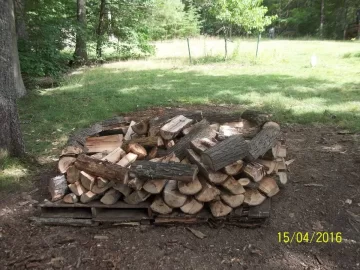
[(323, 157)]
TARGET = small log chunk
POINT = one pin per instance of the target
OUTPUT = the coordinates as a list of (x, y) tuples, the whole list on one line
[(174, 127), (136, 183), (72, 174), (103, 143), (87, 180), (233, 186), (97, 190), (212, 176), (190, 188), (159, 206), (279, 150), (232, 200), (137, 197), (102, 182), (155, 186), (102, 168), (197, 146), (253, 197), (71, 150), (256, 117), (255, 171), (88, 197), (245, 128), (160, 142), (281, 179), (123, 189), (226, 131), (77, 188), (64, 163), (263, 141), (234, 168), (57, 187), (129, 134), (187, 130), (153, 152), (142, 127), (272, 165), (70, 198), (215, 126), (219, 209), (110, 197), (208, 142), (192, 206), (246, 182), (98, 155), (144, 169), (144, 141), (169, 144), (172, 196), (225, 153), (128, 159), (208, 192), (115, 155), (268, 186), (137, 149)]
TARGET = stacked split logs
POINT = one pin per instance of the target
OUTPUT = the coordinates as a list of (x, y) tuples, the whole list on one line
[(180, 162)]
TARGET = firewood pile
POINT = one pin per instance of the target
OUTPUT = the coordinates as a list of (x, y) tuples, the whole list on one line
[(183, 161)]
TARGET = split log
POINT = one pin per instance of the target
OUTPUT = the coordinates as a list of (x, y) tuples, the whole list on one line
[(208, 192), (110, 197), (169, 144), (187, 130), (225, 153), (233, 186), (255, 171), (102, 182), (197, 146), (232, 200), (246, 182), (70, 198), (77, 188), (102, 168), (72, 174), (192, 206), (136, 183), (156, 123), (71, 150), (219, 209), (268, 186), (97, 190), (278, 150), (253, 197), (256, 117), (155, 186), (88, 197), (57, 187), (226, 131), (215, 126), (128, 159), (172, 128), (153, 152), (273, 165), (144, 169), (137, 149), (87, 180), (64, 163), (190, 188), (142, 127), (78, 138), (263, 141), (234, 168), (98, 155), (281, 179), (137, 197), (103, 143), (115, 155), (144, 141), (212, 176), (123, 189), (160, 142), (129, 134), (159, 206), (245, 128), (172, 196), (200, 130)]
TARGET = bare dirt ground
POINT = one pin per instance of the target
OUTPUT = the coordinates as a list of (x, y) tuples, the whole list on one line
[(323, 157)]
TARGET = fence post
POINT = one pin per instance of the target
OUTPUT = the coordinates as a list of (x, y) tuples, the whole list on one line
[(188, 43), (257, 45)]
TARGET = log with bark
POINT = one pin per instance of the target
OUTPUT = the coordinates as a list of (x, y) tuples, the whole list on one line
[(142, 127), (103, 143), (70, 198), (208, 191), (190, 188), (77, 188), (219, 209), (72, 174), (172, 196), (65, 163), (159, 206), (137, 149), (174, 127), (192, 206), (111, 196), (256, 117), (232, 200), (155, 186)]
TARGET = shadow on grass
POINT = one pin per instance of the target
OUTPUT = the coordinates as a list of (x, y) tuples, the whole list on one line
[(49, 116)]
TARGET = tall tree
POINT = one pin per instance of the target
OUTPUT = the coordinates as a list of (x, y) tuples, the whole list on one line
[(100, 28), (322, 18), (10, 136), (80, 54)]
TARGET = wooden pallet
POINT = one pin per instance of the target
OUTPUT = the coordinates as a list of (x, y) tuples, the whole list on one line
[(120, 213)]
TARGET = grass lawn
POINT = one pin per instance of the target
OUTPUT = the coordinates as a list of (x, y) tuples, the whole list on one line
[(280, 80)]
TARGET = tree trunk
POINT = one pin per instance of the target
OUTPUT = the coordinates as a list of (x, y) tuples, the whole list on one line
[(10, 137), (345, 19), (80, 54), (322, 18), (99, 30)]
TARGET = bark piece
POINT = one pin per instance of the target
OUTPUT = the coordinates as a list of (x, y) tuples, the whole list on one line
[(208, 192), (72, 174), (172, 196), (115, 155), (142, 127), (136, 197), (190, 188), (234, 168), (159, 206), (70, 198), (57, 187), (212, 176), (233, 186), (225, 153), (268, 186), (192, 206), (253, 197), (144, 169), (111, 196), (246, 182), (219, 209), (255, 171), (127, 160), (103, 143), (232, 200), (130, 132), (155, 186), (77, 188), (263, 141), (88, 197), (87, 180), (123, 189), (137, 149), (150, 141), (256, 117), (174, 127), (136, 183), (102, 168), (65, 162)]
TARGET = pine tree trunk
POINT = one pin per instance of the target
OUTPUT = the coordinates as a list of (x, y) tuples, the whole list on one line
[(80, 54), (99, 30), (10, 136)]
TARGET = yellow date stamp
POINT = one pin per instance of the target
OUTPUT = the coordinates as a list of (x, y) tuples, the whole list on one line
[(309, 237)]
